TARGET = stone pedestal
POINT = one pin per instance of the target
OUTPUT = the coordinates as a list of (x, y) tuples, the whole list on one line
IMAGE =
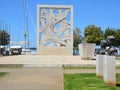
[(68, 51), (99, 65), (109, 70), (87, 50)]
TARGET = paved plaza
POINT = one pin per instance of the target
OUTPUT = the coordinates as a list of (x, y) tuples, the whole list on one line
[(32, 79), (40, 72), (45, 61)]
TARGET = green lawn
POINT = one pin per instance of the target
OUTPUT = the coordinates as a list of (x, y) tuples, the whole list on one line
[(117, 58), (87, 82), (3, 74)]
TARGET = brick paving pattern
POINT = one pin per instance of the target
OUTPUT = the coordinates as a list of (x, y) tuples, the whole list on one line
[(32, 79)]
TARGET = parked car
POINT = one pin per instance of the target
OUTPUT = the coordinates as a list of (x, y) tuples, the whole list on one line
[(97, 51), (118, 53), (16, 50), (76, 52), (4, 51)]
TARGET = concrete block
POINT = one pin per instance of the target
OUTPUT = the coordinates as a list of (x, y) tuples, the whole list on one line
[(87, 50), (109, 70), (62, 51), (99, 65)]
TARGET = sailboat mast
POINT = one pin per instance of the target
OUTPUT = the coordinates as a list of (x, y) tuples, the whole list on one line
[(26, 33)]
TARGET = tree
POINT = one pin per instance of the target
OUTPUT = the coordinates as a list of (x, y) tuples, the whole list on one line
[(117, 36), (4, 38), (93, 34), (76, 38), (108, 32)]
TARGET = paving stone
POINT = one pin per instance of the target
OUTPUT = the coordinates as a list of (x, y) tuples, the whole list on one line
[(32, 79)]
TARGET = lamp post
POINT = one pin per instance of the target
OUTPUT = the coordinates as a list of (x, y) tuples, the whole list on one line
[(26, 33), (25, 40)]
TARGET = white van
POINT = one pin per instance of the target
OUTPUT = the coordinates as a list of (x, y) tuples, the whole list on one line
[(15, 50)]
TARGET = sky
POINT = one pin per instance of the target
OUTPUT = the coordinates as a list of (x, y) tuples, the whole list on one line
[(102, 13)]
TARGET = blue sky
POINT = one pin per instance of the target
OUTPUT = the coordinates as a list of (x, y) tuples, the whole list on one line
[(102, 13)]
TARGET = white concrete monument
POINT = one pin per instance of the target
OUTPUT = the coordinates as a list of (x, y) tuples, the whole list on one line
[(54, 30), (106, 64), (87, 50), (109, 70), (99, 65)]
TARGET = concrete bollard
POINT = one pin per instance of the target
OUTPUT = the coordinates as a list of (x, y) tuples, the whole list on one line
[(109, 70), (99, 66)]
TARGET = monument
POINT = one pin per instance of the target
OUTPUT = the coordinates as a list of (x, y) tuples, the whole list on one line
[(55, 30), (99, 66), (105, 65), (87, 50), (108, 46)]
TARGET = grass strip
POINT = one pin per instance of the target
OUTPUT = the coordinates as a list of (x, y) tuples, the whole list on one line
[(87, 82), (3, 74)]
